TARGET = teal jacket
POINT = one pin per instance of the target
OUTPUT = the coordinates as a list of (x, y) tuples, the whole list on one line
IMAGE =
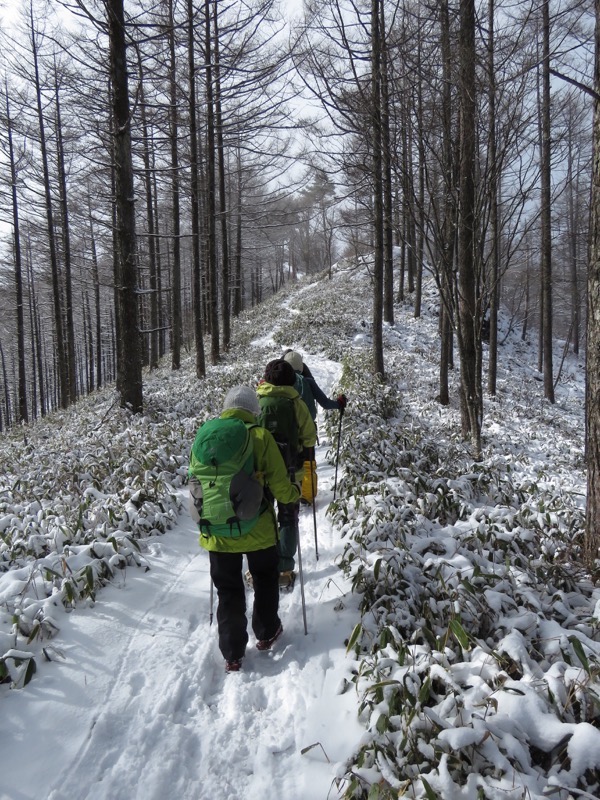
[(304, 389), (271, 471)]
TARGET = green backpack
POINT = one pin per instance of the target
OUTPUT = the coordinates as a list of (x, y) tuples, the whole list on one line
[(277, 415), (222, 459)]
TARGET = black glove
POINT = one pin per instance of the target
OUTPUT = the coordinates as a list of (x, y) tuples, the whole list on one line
[(342, 401)]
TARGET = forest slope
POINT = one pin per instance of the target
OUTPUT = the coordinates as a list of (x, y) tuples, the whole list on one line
[(472, 666)]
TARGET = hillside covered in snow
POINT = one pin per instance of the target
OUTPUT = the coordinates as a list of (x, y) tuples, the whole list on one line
[(452, 646)]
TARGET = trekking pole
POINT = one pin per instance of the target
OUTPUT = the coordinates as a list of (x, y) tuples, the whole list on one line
[(313, 476), (337, 458), (301, 573), (212, 598), (315, 525), (292, 475)]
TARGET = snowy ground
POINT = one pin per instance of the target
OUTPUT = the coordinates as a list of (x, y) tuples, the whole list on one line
[(474, 657), (141, 707)]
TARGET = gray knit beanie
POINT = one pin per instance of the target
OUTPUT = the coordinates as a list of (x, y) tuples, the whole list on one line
[(295, 359), (242, 397)]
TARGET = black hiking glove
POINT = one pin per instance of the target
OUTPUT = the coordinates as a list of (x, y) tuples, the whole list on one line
[(342, 401)]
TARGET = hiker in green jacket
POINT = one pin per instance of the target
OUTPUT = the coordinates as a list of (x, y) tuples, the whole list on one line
[(311, 393), (287, 417), (258, 544)]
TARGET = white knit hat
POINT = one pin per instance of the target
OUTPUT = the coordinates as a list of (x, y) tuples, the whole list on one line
[(242, 397), (295, 359)]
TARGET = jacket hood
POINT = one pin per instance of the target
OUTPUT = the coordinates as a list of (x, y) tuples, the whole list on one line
[(265, 389), (238, 413)]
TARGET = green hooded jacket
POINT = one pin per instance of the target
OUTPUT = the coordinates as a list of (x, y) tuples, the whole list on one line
[(271, 471), (307, 432)]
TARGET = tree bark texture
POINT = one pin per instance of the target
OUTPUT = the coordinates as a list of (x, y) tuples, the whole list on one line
[(470, 388), (176, 315), (22, 381), (377, 177), (130, 364), (211, 201), (61, 358), (546, 169), (195, 200), (592, 527)]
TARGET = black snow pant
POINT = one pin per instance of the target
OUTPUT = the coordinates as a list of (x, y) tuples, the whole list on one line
[(226, 573)]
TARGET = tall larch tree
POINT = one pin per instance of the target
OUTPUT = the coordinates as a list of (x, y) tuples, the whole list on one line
[(22, 380), (59, 338), (471, 399), (592, 526), (378, 188), (129, 364), (546, 208)]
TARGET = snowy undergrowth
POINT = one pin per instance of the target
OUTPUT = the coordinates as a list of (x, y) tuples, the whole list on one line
[(83, 490), (477, 661)]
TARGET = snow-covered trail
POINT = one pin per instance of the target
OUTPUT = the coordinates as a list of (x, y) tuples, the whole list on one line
[(141, 707)]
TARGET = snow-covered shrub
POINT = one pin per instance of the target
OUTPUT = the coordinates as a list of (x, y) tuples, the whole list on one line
[(477, 662)]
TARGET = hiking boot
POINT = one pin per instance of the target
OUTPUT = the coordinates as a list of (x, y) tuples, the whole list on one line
[(286, 579), (267, 644), (233, 666)]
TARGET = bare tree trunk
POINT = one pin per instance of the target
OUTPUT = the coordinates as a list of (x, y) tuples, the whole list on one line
[(377, 176), (572, 231), (449, 226), (592, 521), (88, 342), (6, 391), (546, 211), (211, 233), (421, 208), (160, 305), (409, 202), (33, 343), (129, 380), (176, 323), (195, 201), (63, 384), (467, 311), (388, 224), (527, 301), (225, 266), (494, 271), (445, 353), (38, 338), (97, 312), (66, 240), (152, 268), (238, 295), (22, 382)]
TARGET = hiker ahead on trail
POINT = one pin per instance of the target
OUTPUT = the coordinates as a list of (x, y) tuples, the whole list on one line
[(235, 470), (286, 416), (311, 393), (309, 390)]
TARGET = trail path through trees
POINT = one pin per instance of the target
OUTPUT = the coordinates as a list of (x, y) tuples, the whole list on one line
[(140, 706)]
